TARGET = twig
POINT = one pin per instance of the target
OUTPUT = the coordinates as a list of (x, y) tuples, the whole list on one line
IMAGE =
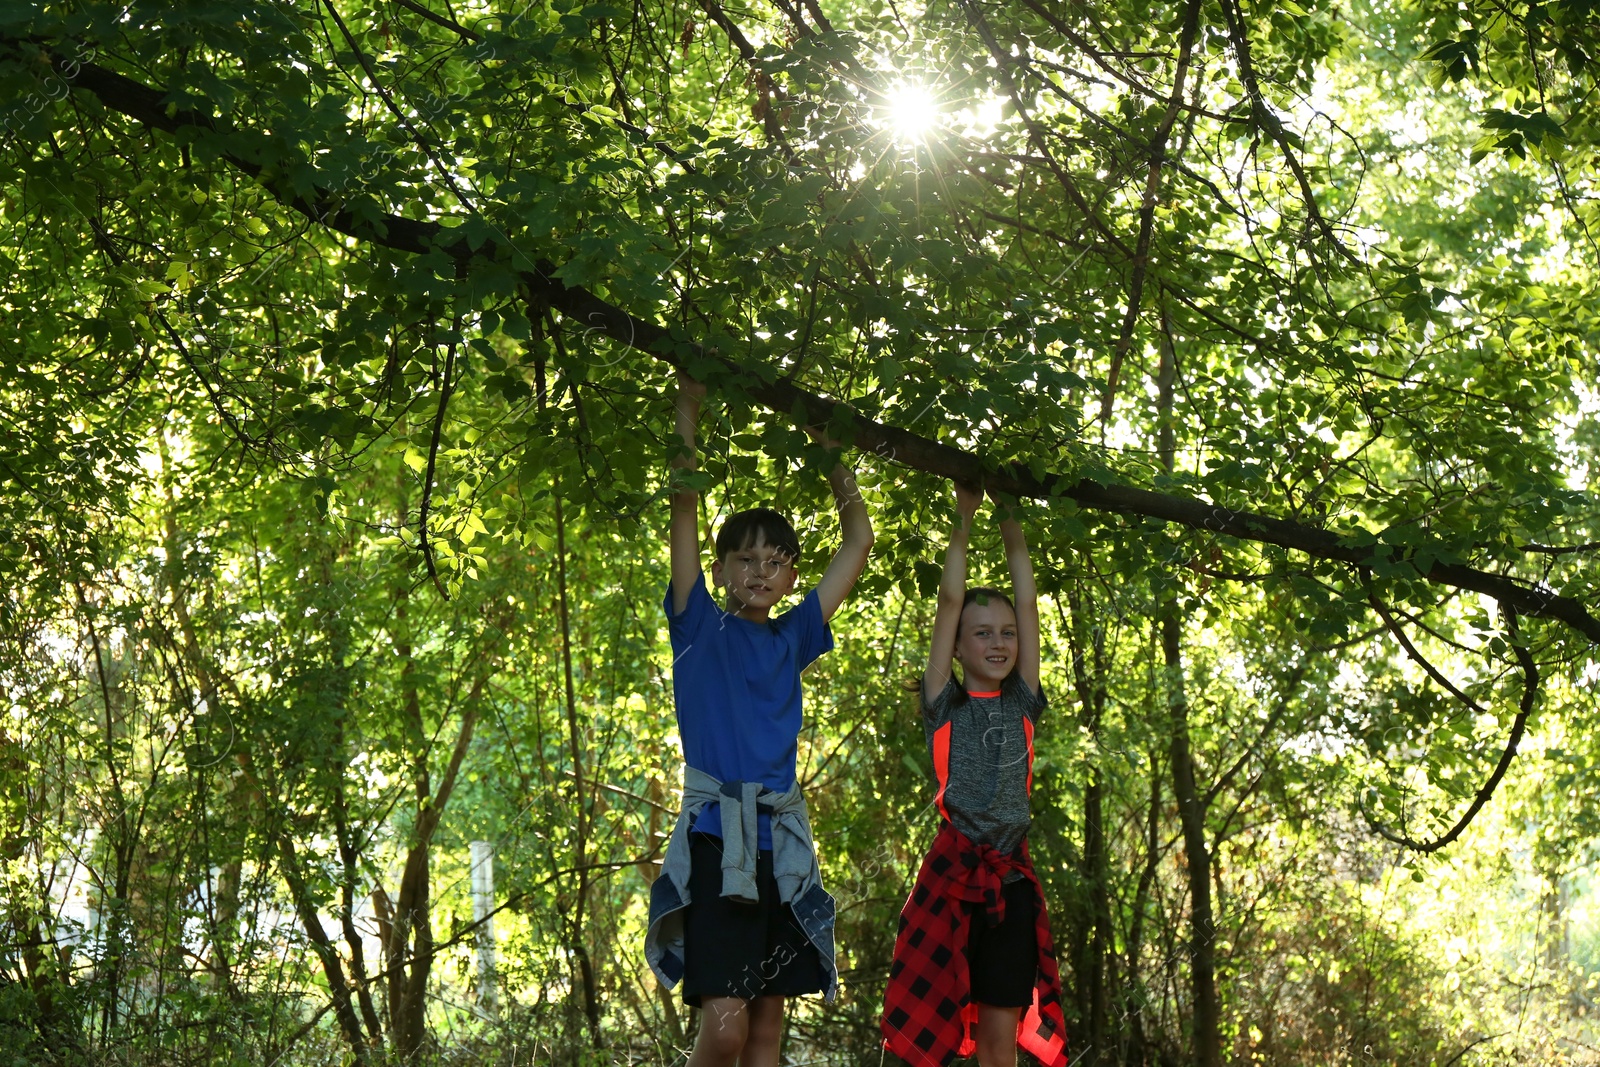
[(1147, 211), (1530, 693), (433, 457)]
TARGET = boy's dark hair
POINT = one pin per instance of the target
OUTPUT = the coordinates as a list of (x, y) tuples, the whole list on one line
[(745, 528)]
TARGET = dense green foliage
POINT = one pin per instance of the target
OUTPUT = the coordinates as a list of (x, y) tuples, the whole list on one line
[(334, 358)]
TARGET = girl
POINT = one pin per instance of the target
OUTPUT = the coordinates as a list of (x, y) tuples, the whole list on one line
[(974, 952)]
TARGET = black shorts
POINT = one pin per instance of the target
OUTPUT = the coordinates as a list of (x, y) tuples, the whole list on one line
[(742, 950), (1003, 960)]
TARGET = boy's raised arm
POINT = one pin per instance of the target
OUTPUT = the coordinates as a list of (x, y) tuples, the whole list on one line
[(684, 536), (952, 591), (1025, 594), (855, 526)]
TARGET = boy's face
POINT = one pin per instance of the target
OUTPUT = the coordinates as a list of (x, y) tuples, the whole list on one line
[(754, 578), (986, 646)]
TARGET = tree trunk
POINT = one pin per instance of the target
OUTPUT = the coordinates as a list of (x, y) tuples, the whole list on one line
[(45, 970), (1092, 933), (349, 860), (580, 951), (1191, 815), (1134, 997), (409, 955), (1191, 806), (482, 876), (332, 969), (1552, 904), (1091, 946)]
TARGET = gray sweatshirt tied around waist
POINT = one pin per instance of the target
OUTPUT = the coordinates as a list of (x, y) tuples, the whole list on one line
[(794, 866)]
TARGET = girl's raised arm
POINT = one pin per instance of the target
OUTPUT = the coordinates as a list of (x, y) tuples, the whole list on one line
[(952, 590), (1025, 595)]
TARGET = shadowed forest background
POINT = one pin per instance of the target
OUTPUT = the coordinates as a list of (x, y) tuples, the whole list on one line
[(336, 353)]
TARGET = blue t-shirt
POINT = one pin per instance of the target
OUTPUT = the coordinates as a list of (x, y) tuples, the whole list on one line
[(736, 689)]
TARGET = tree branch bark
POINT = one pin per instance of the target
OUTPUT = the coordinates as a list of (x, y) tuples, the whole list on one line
[(1147, 211), (146, 106), (1530, 696)]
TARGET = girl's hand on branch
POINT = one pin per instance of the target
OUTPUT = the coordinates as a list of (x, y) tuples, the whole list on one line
[(821, 437), (1003, 511), (689, 387), (968, 500)]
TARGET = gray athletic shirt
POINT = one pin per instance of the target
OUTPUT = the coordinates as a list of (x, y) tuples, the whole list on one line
[(983, 757)]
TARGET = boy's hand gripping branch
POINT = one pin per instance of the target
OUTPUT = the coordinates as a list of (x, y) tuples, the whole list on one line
[(855, 527), (684, 535)]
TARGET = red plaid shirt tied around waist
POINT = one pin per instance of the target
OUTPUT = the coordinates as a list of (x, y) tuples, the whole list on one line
[(928, 1013)]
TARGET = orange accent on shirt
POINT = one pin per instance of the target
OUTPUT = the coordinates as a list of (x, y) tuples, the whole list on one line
[(1027, 731), (941, 766), (970, 693)]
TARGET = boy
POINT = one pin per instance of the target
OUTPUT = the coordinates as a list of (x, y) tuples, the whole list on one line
[(739, 912)]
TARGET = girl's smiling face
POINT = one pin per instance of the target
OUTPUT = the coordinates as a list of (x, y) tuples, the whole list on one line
[(986, 644)]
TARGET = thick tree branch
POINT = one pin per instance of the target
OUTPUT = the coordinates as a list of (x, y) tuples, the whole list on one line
[(1530, 696), (332, 968), (1035, 133), (445, 389), (1562, 550), (440, 20), (1268, 121), (1147, 210), (146, 106), (1290, 683), (1417, 657), (715, 13)]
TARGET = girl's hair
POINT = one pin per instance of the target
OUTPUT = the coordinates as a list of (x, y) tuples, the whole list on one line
[(981, 594), (978, 594)]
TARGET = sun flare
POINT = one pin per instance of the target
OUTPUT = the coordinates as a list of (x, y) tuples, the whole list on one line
[(910, 111)]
